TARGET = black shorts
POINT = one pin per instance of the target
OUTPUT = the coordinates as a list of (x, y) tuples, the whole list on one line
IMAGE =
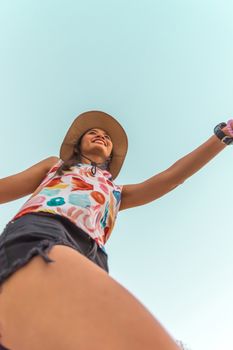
[(35, 234)]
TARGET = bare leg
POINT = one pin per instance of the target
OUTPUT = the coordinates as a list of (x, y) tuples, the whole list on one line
[(72, 304)]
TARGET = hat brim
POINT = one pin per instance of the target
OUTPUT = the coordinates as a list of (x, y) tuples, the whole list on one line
[(102, 120)]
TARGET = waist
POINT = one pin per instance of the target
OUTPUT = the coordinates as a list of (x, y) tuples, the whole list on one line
[(69, 226)]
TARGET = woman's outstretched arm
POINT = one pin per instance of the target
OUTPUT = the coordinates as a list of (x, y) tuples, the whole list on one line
[(162, 183), (21, 184)]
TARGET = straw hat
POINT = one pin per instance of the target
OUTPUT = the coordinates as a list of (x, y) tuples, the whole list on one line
[(102, 120)]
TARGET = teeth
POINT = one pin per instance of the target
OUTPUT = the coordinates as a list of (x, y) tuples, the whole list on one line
[(99, 141)]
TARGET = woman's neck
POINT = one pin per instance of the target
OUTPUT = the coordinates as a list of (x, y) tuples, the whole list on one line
[(88, 159)]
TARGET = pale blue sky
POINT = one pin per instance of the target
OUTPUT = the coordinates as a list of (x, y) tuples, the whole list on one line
[(164, 70)]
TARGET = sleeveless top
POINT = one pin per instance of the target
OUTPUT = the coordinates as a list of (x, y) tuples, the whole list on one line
[(90, 201)]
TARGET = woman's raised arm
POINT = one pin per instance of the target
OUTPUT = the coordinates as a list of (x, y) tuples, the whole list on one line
[(23, 183), (162, 183)]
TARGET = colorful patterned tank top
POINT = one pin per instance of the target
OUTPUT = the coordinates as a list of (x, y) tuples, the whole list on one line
[(90, 201)]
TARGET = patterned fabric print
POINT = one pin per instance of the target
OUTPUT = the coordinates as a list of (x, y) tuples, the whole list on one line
[(90, 201)]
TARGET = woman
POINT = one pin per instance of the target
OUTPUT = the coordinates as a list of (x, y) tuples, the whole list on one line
[(67, 300)]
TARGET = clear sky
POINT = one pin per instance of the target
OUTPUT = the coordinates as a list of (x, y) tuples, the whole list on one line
[(164, 70)]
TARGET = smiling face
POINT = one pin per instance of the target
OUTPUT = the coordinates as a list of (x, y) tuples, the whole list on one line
[(97, 145)]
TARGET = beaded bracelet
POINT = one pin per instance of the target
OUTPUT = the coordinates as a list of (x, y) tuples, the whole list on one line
[(229, 127)]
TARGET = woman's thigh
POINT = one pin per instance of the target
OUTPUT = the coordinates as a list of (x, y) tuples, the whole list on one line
[(74, 304)]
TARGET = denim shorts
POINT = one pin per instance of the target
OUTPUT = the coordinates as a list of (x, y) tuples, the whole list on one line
[(35, 234)]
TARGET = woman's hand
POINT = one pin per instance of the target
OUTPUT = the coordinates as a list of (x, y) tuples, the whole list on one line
[(226, 131)]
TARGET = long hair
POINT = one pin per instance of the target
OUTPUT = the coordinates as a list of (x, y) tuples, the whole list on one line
[(76, 158)]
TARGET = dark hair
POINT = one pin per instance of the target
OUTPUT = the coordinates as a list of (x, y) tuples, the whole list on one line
[(76, 158)]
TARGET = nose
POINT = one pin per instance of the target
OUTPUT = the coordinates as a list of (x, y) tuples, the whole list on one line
[(101, 136)]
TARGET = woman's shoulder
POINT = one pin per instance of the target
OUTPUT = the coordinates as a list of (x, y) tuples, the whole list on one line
[(53, 160), (53, 163)]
